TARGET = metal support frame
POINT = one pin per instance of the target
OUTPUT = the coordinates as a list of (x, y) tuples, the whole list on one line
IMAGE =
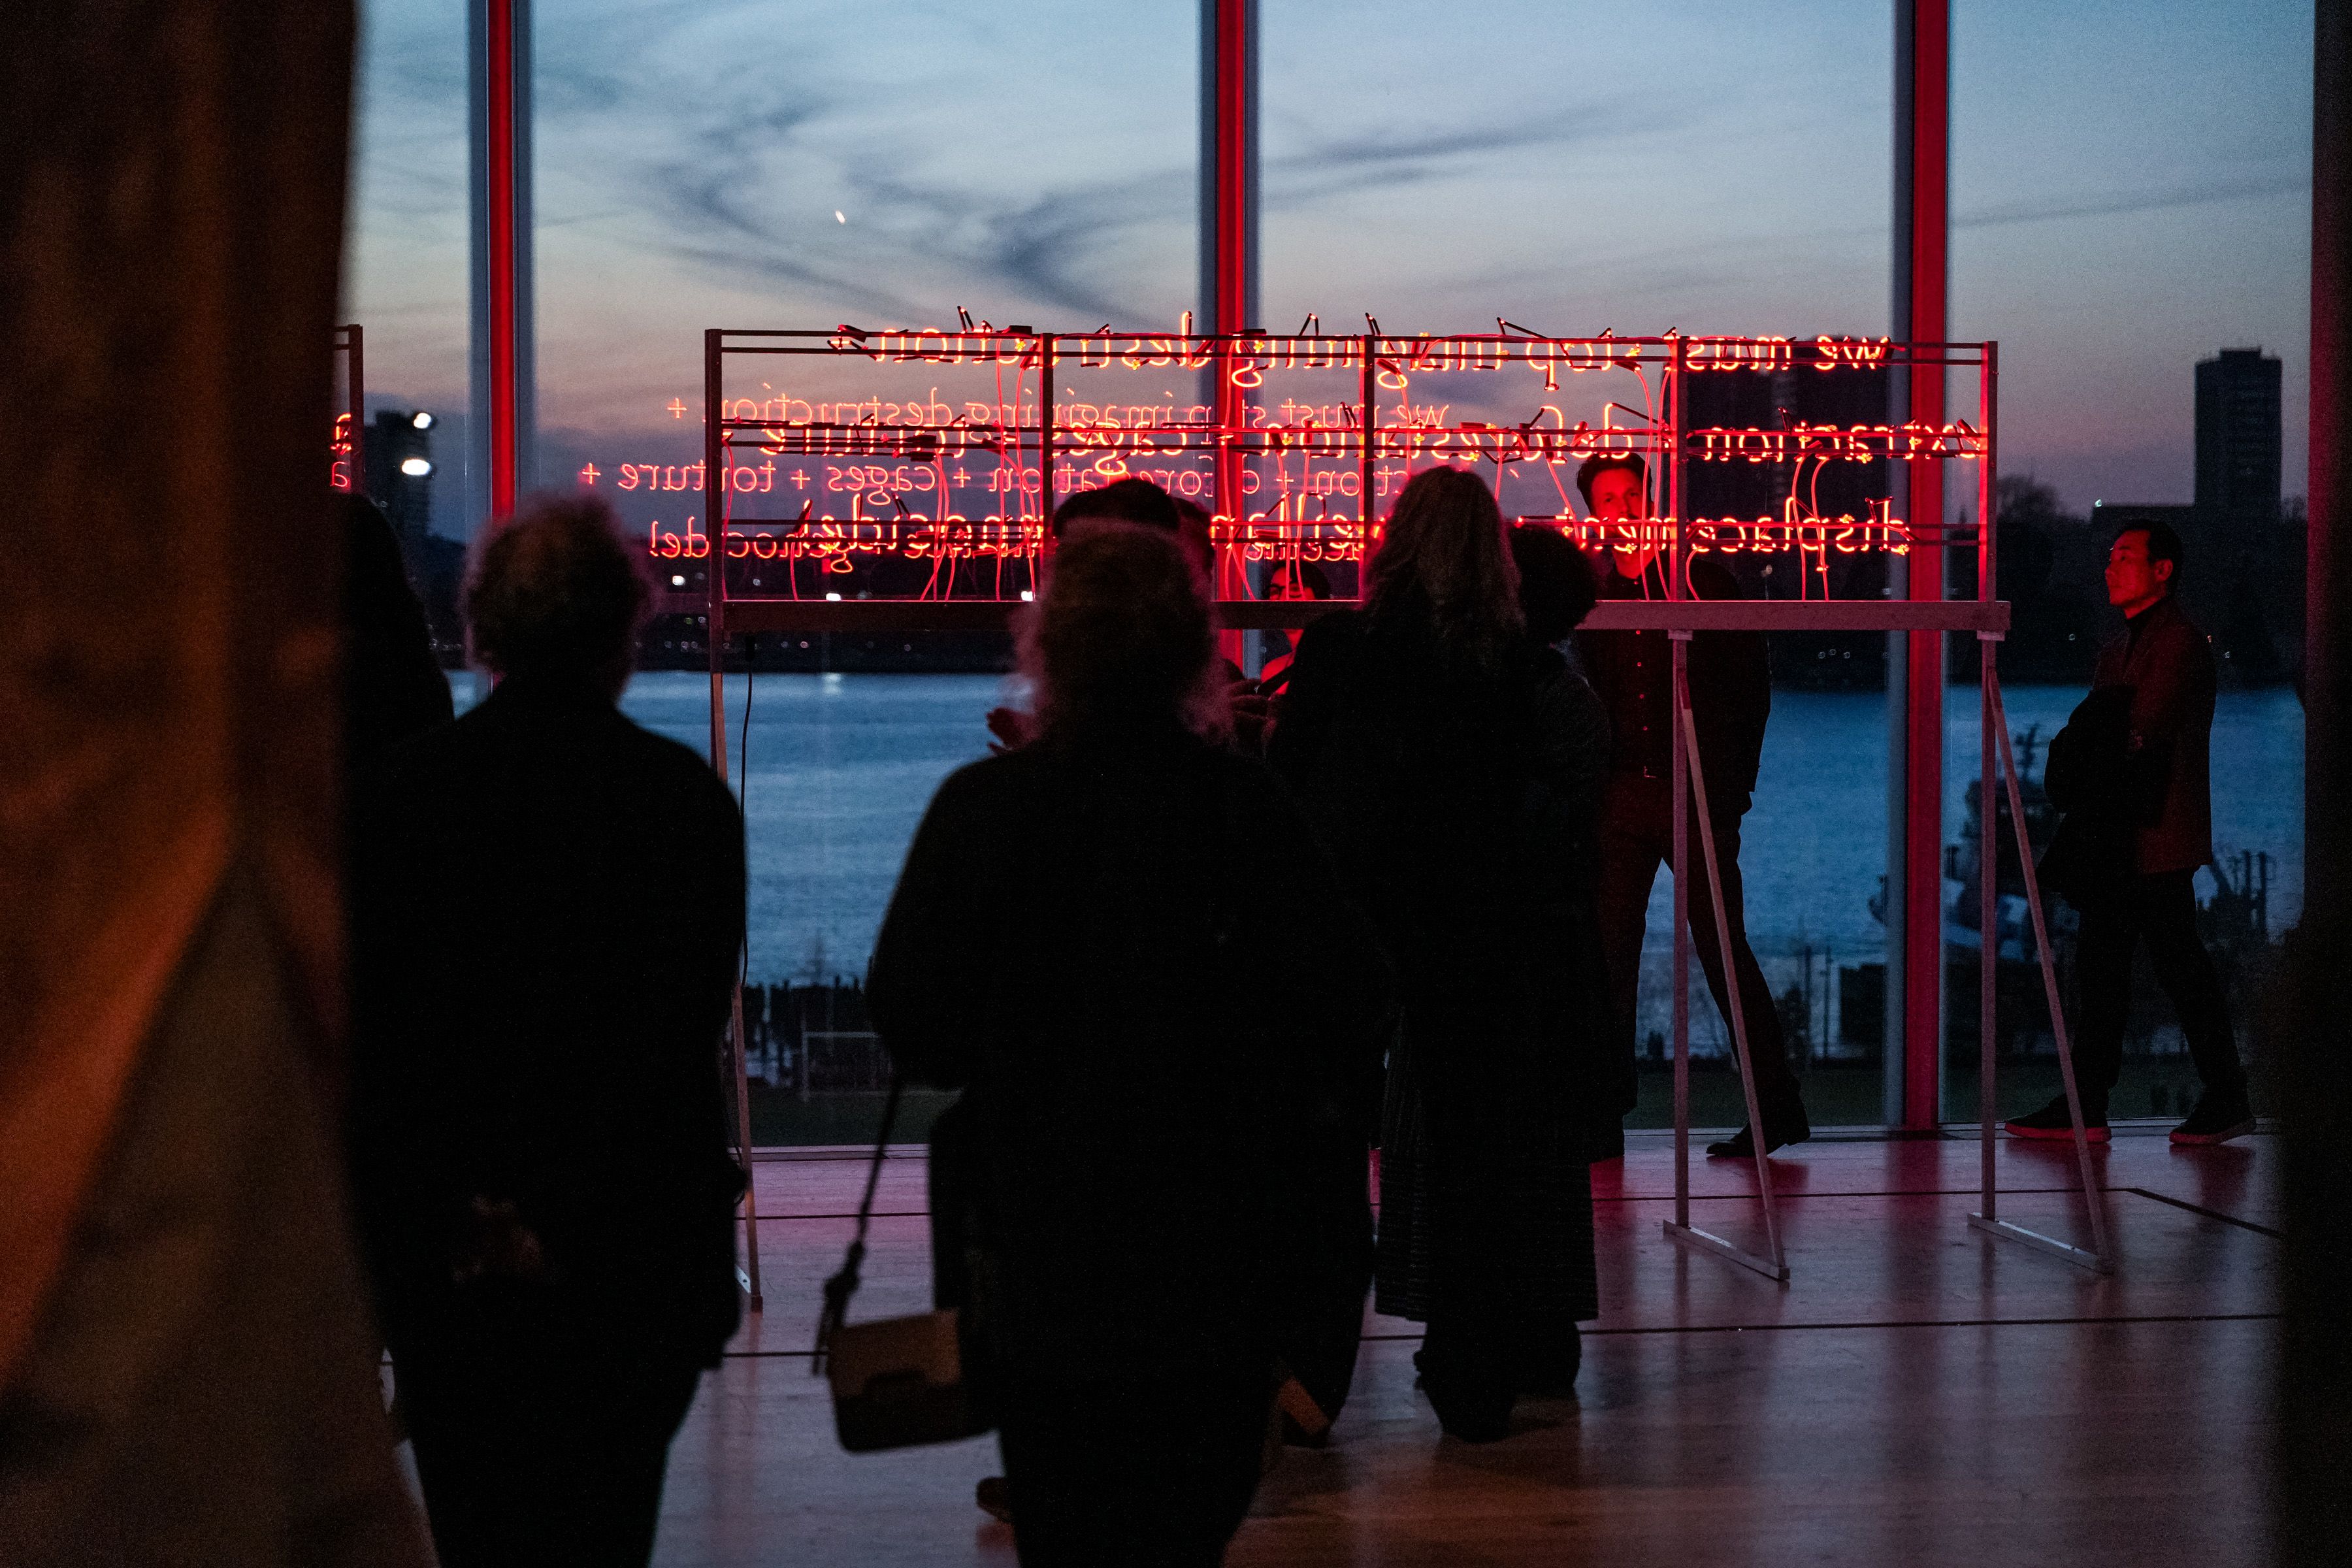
[(351, 345), (1993, 738), (1995, 719), (1930, 617), (1690, 789), (1689, 804), (719, 492)]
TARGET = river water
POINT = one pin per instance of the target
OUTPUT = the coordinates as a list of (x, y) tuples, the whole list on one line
[(841, 766)]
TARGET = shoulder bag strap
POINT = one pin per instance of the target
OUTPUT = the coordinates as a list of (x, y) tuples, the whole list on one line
[(843, 1284)]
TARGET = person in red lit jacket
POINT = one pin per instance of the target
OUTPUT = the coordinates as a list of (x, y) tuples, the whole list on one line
[(1731, 697), (2159, 671)]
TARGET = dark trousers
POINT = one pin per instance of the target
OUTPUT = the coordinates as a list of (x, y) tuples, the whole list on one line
[(1125, 1472), (534, 1447), (1477, 1359), (1327, 1252), (1636, 838), (2161, 910)]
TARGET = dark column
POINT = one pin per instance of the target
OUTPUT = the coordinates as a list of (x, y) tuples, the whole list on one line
[(172, 215), (2315, 1386), (1915, 673), (499, 458), (1229, 163)]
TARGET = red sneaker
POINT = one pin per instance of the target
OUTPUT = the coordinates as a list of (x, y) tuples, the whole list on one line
[(2055, 1122)]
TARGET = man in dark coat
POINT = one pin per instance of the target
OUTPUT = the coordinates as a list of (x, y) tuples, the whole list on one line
[(1731, 697), (548, 904), (2160, 668)]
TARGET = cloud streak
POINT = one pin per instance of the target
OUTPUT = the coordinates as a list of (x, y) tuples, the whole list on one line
[(2051, 209)]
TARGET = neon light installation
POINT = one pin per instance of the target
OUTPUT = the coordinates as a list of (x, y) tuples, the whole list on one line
[(948, 448)]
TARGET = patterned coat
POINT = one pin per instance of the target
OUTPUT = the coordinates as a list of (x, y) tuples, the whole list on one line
[(1461, 808)]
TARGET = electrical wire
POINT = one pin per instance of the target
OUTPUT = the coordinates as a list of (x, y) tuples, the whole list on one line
[(743, 804)]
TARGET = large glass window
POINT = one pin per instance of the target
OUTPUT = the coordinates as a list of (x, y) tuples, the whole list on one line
[(2131, 201), (1637, 169), (775, 166), (1576, 167), (404, 285), (2129, 197), (768, 165)]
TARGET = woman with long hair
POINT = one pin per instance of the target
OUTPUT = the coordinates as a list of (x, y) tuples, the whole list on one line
[(1441, 756), (1080, 942)]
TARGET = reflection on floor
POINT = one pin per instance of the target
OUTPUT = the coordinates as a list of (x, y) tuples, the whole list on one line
[(1915, 1393)]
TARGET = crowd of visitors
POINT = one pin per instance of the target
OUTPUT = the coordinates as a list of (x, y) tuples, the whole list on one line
[(1190, 948)]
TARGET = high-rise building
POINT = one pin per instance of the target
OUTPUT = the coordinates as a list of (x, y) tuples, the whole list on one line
[(2238, 437)]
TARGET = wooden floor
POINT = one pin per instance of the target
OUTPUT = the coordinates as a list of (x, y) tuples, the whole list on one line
[(1915, 1395)]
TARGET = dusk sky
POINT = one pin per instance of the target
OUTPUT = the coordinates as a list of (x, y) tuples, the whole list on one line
[(2130, 188)]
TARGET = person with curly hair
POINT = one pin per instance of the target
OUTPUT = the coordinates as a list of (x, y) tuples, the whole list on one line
[(1115, 1196), (1442, 756)]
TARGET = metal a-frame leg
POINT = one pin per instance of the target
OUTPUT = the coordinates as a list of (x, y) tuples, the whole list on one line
[(2098, 1259), (747, 1273), (1689, 802)]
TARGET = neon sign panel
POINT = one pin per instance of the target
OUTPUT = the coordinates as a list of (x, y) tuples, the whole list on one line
[(342, 443), (1292, 445)]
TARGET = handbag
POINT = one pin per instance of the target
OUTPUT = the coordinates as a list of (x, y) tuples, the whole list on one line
[(897, 1382)]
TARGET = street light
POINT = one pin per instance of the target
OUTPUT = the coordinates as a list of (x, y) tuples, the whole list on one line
[(421, 421), (416, 468)]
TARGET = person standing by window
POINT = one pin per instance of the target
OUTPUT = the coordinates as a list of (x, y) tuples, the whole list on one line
[(1081, 940), (2159, 671), (547, 906), (1731, 697), (1435, 749)]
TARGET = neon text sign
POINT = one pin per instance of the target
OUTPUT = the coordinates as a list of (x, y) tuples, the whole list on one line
[(932, 445)]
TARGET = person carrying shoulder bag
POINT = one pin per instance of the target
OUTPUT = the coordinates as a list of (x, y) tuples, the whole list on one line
[(1067, 946), (2131, 771)]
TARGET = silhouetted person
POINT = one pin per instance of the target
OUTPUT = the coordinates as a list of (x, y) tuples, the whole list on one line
[(1196, 530), (1433, 747), (1139, 501), (2132, 770), (1558, 588), (1289, 580), (1731, 697), (547, 911), (1080, 941), (393, 687), (1131, 499)]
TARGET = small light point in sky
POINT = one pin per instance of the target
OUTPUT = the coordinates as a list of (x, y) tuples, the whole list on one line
[(837, 217)]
